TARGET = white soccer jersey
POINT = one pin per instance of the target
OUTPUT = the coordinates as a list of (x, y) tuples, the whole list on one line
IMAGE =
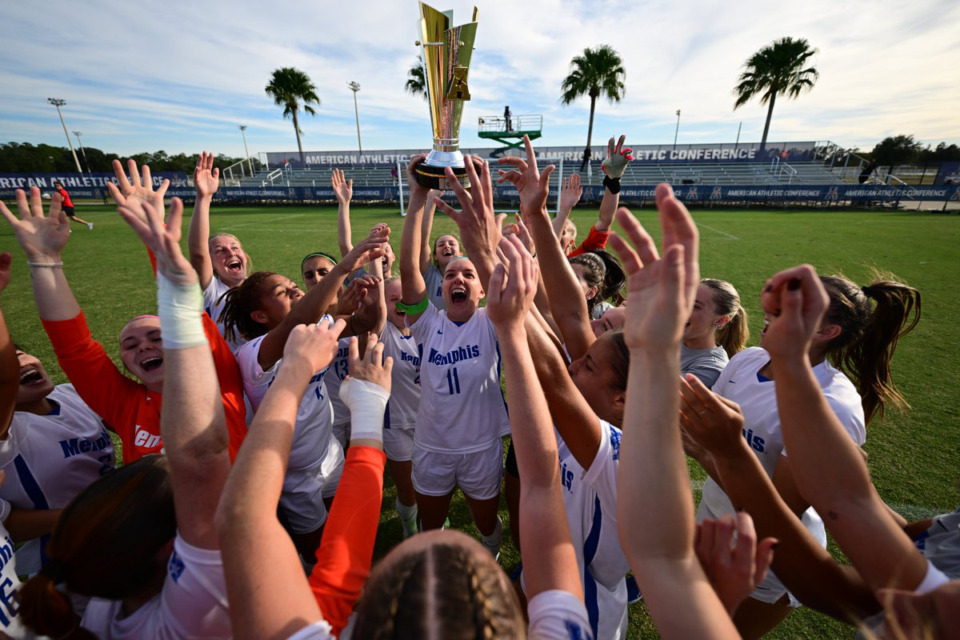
[(741, 382), (557, 615), (462, 409), (336, 373), (9, 584), (401, 412), (590, 500), (49, 460), (315, 454), (434, 281), (192, 604), (214, 300)]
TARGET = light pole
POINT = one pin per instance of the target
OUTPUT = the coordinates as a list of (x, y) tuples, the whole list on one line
[(82, 151), (676, 131), (58, 102), (355, 86), (243, 132)]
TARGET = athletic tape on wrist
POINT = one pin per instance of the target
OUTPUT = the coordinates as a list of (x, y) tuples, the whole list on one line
[(414, 309), (179, 307), (612, 184), (367, 402)]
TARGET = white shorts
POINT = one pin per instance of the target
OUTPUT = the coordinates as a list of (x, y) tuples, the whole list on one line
[(342, 433), (478, 474), (302, 504), (398, 443)]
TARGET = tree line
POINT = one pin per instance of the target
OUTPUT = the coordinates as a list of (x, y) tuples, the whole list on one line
[(20, 157)]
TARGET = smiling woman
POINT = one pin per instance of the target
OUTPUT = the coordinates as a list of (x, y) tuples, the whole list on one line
[(132, 409)]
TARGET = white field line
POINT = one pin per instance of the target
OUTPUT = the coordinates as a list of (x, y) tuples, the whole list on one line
[(723, 233), (244, 224)]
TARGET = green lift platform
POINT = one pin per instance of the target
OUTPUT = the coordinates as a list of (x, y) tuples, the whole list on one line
[(509, 130)]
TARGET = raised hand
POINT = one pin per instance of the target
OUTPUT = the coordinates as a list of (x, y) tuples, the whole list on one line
[(711, 422), (513, 285), (570, 192), (5, 260), (370, 248), (661, 290), (371, 367), (206, 177), (415, 188), (479, 226), (794, 302), (312, 346), (342, 189), (730, 556), (41, 237), (617, 159), (533, 186), (139, 185), (162, 240)]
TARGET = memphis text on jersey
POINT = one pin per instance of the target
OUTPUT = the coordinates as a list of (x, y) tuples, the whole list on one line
[(467, 352)]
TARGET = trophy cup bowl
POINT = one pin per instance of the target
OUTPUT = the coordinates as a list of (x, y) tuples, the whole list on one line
[(446, 53)]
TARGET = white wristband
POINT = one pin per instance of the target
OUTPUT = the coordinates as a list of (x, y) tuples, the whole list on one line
[(179, 307), (367, 402)]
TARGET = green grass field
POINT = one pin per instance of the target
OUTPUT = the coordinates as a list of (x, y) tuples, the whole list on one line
[(913, 456)]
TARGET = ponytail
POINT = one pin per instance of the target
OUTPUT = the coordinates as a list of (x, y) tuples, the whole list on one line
[(105, 544), (733, 335), (869, 335)]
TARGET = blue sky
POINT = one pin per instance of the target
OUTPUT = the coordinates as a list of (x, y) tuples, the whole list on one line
[(181, 76)]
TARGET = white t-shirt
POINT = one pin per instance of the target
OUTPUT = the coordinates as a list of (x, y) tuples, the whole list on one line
[(49, 460), (192, 604), (336, 374), (462, 409), (315, 454), (557, 615), (401, 411), (214, 300), (9, 584), (742, 383), (590, 500), (434, 281)]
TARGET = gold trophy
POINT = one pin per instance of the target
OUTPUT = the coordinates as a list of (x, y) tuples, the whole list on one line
[(446, 60)]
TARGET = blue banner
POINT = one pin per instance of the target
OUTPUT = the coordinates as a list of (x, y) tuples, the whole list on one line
[(507, 194), (81, 185), (948, 174)]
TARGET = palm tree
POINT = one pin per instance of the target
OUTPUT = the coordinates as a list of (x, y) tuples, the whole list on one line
[(416, 80), (776, 69), (596, 72), (289, 87)]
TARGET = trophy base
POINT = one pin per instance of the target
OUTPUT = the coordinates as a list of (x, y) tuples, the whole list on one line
[(431, 177)]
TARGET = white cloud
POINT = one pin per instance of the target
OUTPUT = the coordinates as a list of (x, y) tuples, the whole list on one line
[(180, 76)]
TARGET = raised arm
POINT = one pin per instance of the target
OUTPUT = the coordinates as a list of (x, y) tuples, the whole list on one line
[(618, 157), (192, 422), (414, 288), (549, 560), (316, 302), (806, 568), (43, 238), (827, 466), (343, 191), (206, 179), (653, 475), (570, 194), (426, 227), (268, 591), (567, 304), (9, 365)]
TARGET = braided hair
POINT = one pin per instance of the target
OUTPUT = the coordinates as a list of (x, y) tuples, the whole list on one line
[(239, 303), (443, 590)]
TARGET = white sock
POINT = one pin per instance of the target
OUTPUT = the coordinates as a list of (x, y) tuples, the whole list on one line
[(408, 517), (492, 541)]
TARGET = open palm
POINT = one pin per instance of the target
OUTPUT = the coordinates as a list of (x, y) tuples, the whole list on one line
[(42, 237)]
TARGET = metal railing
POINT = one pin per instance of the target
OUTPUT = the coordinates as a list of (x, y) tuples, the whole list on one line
[(499, 124)]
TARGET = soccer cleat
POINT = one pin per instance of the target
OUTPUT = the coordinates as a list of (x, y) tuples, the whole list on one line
[(90, 226)]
